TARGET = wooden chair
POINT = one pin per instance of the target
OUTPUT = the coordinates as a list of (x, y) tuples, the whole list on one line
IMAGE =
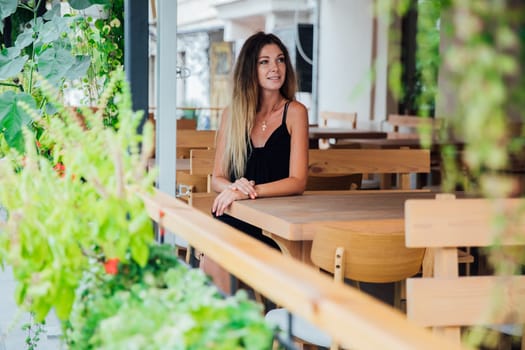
[(326, 116), (188, 139), (406, 126), (366, 251), (444, 300), (348, 118)]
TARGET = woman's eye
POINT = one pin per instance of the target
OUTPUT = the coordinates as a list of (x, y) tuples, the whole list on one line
[(263, 62), (280, 60)]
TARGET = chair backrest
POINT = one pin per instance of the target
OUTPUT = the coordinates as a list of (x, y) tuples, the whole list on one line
[(370, 161), (374, 251), (406, 126), (449, 301), (188, 139), (348, 118), (186, 124), (341, 162)]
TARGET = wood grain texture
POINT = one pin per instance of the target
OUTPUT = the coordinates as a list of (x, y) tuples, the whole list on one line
[(352, 318)]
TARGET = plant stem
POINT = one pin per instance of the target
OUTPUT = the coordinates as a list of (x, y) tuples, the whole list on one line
[(12, 85), (30, 87)]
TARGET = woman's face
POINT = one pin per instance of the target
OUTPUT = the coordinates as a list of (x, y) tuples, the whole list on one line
[(271, 67)]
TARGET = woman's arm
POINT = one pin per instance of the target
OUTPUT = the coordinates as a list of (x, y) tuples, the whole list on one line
[(297, 123)]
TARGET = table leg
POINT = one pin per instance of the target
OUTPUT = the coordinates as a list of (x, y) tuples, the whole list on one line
[(299, 250)]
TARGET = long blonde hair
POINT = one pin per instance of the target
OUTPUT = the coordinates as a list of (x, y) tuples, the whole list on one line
[(246, 100)]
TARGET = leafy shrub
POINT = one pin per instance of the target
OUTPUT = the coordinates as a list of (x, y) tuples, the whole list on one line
[(163, 305)]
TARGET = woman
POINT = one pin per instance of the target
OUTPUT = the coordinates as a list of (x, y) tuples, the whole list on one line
[(262, 141)]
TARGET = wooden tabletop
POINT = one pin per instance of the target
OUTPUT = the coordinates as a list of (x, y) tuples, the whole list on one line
[(287, 216), (344, 133), (287, 220), (398, 143)]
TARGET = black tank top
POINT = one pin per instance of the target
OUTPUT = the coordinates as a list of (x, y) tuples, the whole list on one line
[(272, 161), (265, 164)]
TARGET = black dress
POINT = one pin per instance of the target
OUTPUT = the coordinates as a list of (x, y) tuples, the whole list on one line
[(265, 164)]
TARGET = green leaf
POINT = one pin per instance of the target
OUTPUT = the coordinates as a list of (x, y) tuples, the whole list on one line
[(54, 63), (10, 63), (79, 68), (24, 39), (64, 302), (52, 13), (51, 30), (13, 118), (7, 8), (82, 4), (139, 252)]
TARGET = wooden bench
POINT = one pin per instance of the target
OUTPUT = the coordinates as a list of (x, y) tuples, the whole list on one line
[(343, 161), (444, 300)]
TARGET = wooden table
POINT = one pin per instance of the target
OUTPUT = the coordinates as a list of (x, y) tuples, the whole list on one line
[(400, 143), (286, 219), (315, 132)]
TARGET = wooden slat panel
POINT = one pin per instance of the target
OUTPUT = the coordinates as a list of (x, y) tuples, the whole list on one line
[(342, 161), (195, 138), (351, 161), (202, 201), (201, 161), (409, 121), (466, 300), (460, 222), (189, 124)]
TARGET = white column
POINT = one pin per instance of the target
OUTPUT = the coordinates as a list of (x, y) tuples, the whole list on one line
[(166, 132), (345, 64)]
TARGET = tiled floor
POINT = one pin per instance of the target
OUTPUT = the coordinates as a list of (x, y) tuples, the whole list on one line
[(12, 337)]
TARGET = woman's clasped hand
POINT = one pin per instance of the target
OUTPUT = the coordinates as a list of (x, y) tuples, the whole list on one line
[(240, 189)]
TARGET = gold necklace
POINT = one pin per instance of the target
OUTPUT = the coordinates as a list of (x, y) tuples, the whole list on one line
[(274, 108)]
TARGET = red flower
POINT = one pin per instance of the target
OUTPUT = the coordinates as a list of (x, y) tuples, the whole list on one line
[(111, 266), (60, 169)]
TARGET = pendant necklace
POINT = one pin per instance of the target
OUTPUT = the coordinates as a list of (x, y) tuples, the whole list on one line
[(264, 125)]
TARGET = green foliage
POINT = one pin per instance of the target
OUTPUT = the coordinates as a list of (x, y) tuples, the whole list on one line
[(427, 56), (69, 50), (484, 61), (82, 204), (82, 4), (162, 306), (34, 331)]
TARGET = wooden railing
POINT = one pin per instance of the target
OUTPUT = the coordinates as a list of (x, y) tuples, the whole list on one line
[(351, 317)]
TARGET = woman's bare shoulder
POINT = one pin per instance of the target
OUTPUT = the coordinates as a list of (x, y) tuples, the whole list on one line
[(297, 111), (297, 106)]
